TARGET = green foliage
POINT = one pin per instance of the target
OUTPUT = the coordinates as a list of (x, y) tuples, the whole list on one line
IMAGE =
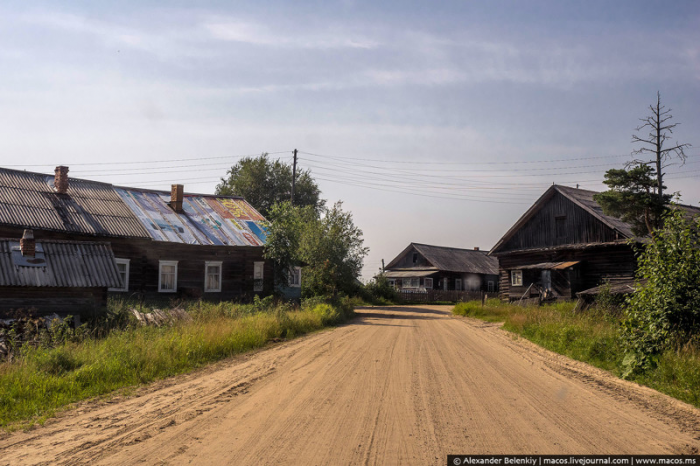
[(333, 248), (264, 183), (379, 292), (665, 310), (633, 198), (330, 246)]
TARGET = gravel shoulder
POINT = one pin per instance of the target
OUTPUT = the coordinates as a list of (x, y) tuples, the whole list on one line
[(397, 385)]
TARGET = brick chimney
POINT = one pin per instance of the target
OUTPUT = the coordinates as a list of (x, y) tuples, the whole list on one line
[(476, 248), (60, 182), (27, 244), (176, 195)]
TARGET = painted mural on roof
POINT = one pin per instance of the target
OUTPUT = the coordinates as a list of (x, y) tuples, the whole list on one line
[(205, 220)]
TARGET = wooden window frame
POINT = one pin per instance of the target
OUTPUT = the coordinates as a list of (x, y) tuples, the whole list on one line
[(295, 272), (491, 286), (120, 261), (426, 284), (458, 284), (516, 273), (208, 264), (160, 276)]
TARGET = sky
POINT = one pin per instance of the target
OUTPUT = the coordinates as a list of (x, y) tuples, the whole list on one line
[(433, 122)]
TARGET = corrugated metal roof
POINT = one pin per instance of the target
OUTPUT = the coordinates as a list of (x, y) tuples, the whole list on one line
[(206, 220), (62, 264), (28, 200), (453, 259)]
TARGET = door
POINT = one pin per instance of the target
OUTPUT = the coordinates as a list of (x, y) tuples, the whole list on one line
[(547, 280)]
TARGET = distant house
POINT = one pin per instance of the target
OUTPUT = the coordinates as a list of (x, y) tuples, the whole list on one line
[(424, 267), (565, 244), (165, 244), (49, 276)]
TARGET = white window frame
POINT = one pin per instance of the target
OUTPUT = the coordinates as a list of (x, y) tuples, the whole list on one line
[(160, 276), (392, 282), (516, 278), (428, 283), (208, 264), (126, 276), (295, 277)]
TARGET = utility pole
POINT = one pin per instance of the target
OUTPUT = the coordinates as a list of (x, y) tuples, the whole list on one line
[(382, 265), (294, 174)]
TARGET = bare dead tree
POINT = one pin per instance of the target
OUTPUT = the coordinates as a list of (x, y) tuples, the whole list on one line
[(659, 131)]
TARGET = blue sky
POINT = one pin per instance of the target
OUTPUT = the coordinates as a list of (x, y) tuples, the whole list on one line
[(434, 122)]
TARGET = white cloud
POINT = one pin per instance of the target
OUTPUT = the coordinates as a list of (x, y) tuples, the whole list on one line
[(258, 34)]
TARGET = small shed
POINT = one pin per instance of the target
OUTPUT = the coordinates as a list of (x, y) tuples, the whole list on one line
[(49, 276)]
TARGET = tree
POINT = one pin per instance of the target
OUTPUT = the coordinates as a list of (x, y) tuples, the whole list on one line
[(264, 182), (636, 193), (665, 309), (333, 248), (330, 246), (283, 238)]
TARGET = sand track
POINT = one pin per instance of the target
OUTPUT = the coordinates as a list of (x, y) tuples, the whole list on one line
[(395, 386)]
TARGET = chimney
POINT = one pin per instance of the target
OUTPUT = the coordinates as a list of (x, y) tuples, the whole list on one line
[(27, 244), (60, 182), (176, 195), (476, 248)]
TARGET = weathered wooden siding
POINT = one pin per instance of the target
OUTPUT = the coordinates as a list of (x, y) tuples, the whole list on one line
[(575, 226), (41, 301), (144, 256), (595, 265)]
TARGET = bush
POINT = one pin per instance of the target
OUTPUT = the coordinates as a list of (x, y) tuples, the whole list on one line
[(379, 292), (665, 311)]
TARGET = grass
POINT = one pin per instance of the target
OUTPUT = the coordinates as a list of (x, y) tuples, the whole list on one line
[(592, 337), (43, 380)]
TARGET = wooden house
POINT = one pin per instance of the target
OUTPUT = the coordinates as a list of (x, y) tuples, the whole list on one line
[(421, 267), (565, 244), (166, 244), (49, 276)]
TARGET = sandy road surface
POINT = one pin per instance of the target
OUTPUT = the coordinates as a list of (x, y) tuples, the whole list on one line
[(395, 386)]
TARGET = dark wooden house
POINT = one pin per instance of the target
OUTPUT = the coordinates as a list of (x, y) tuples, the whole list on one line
[(165, 244), (422, 267), (49, 276), (562, 245)]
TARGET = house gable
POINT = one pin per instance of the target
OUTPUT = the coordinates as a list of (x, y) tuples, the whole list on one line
[(559, 218), (409, 258)]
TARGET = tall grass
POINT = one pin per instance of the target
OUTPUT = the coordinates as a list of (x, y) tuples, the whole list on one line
[(592, 336), (42, 380)]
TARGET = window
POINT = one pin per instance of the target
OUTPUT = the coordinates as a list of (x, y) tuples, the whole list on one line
[(123, 269), (392, 283), (167, 277), (560, 226), (428, 283), (295, 277), (458, 284), (415, 257), (516, 277), (411, 282), (258, 269), (492, 286), (212, 277)]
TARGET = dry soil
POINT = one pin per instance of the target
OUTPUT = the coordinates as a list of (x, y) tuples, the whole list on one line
[(395, 386)]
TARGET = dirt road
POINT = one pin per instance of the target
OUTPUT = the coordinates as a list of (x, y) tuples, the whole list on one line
[(395, 386)]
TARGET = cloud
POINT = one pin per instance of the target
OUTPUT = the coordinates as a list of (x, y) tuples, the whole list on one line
[(258, 34)]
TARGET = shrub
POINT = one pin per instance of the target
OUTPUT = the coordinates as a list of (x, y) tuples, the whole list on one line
[(665, 310)]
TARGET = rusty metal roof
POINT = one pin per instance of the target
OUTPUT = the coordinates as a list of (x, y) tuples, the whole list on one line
[(59, 264), (205, 219), (28, 200), (549, 265)]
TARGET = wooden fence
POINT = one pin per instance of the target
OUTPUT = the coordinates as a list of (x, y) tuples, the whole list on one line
[(430, 296)]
